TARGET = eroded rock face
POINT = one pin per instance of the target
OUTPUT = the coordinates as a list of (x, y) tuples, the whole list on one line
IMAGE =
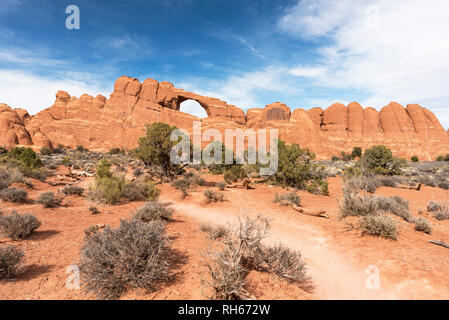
[(99, 123)]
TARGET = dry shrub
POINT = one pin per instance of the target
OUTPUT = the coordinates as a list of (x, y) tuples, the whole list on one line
[(366, 183), (212, 196), (423, 225), (440, 209), (396, 205), (73, 190), (14, 195), (288, 199), (242, 251), (151, 211), (381, 226), (213, 232), (11, 258), (17, 226), (221, 185), (355, 204), (139, 190), (134, 255), (48, 200), (9, 175), (188, 181)]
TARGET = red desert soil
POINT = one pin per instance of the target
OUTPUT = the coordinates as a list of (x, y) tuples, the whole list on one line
[(337, 260)]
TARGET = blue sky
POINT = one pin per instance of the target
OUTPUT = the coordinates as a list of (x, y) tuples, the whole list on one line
[(304, 53)]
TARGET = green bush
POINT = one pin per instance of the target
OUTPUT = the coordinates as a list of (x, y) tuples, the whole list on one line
[(135, 255), (17, 226), (11, 261), (380, 160), (296, 170), (46, 151), (441, 158), (356, 152), (380, 226), (414, 159), (48, 200), (26, 160), (234, 174), (103, 169), (221, 185), (154, 150), (107, 190)]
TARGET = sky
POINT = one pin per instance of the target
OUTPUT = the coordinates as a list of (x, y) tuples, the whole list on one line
[(304, 53)]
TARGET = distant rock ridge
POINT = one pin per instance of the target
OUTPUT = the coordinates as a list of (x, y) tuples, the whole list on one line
[(99, 123)]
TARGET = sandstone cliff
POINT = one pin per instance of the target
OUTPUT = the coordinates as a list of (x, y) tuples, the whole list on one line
[(101, 123)]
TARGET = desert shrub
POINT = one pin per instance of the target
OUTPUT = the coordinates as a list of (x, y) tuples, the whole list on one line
[(140, 189), (94, 210), (288, 199), (221, 185), (346, 156), (366, 183), (423, 225), (386, 182), (81, 149), (380, 226), (48, 200), (335, 158), (433, 206), (18, 226), (356, 152), (137, 173), (11, 259), (152, 211), (440, 158), (242, 251), (73, 190), (132, 256), (9, 175), (154, 150), (213, 232), (443, 184), (188, 181), (285, 263), (26, 160), (380, 160), (116, 151), (51, 165), (414, 159), (13, 195), (103, 169), (355, 204), (234, 174), (296, 170), (107, 190), (46, 151), (213, 196), (66, 161), (396, 205), (440, 209)]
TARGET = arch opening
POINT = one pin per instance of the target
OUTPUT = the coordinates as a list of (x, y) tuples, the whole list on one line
[(194, 108)]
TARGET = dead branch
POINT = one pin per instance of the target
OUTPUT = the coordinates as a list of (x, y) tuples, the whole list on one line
[(403, 186), (319, 213), (440, 243)]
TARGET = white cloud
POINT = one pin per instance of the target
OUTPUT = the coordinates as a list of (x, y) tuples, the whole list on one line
[(307, 72), (394, 50), (20, 89)]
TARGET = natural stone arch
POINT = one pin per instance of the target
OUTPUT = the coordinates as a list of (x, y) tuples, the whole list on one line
[(182, 99)]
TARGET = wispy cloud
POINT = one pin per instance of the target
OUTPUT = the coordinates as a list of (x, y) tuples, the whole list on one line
[(394, 50), (251, 48)]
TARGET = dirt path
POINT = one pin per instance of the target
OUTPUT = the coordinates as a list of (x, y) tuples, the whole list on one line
[(335, 264)]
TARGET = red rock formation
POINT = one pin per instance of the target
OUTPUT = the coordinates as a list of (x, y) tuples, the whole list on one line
[(100, 123)]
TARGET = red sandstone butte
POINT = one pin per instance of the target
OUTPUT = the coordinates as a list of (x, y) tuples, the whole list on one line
[(100, 124)]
